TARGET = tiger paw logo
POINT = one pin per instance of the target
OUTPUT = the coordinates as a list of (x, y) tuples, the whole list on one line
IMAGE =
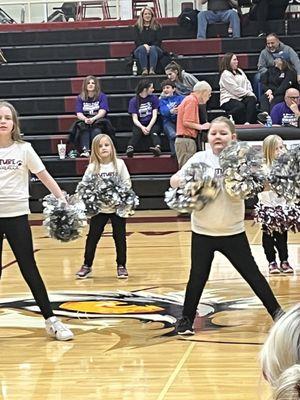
[(138, 318)]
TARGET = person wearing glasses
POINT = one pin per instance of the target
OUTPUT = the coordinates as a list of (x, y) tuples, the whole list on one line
[(288, 111)]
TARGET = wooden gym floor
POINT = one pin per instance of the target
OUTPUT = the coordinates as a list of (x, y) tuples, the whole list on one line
[(125, 347)]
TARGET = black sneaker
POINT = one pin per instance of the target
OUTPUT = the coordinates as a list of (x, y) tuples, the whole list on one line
[(184, 327), (262, 117), (84, 272), (122, 272), (156, 151), (129, 151)]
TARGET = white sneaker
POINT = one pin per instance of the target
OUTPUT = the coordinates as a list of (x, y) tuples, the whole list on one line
[(56, 329)]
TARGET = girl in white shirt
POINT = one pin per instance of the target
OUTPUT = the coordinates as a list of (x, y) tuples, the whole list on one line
[(17, 159), (219, 226), (105, 162), (273, 146)]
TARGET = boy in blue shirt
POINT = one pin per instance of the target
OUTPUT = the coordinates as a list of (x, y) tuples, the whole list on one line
[(168, 107)]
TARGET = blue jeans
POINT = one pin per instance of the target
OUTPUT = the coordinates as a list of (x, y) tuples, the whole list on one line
[(141, 54), (87, 135), (170, 130), (211, 17), (256, 84)]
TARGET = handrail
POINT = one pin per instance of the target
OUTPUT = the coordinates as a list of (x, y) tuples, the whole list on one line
[(29, 3)]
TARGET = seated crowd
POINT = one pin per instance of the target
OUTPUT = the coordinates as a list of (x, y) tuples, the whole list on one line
[(180, 110)]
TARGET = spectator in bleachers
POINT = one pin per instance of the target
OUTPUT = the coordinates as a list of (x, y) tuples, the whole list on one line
[(219, 11), (168, 107), (188, 122), (236, 94), (184, 81), (2, 58), (278, 78), (143, 108), (264, 10), (281, 349), (266, 59), (288, 111), (91, 108), (147, 38)]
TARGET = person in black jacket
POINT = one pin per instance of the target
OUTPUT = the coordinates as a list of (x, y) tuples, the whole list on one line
[(147, 38), (276, 81)]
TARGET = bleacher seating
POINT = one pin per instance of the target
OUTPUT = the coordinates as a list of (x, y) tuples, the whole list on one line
[(46, 65)]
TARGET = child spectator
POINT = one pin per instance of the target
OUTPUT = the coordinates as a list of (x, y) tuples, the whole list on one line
[(168, 107)]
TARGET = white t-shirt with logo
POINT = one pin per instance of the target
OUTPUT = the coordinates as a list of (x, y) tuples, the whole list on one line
[(223, 216), (107, 170), (16, 161)]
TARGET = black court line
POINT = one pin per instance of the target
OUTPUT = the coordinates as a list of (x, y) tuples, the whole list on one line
[(15, 261)]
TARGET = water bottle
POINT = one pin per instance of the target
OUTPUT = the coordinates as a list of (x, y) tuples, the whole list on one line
[(269, 122), (134, 68)]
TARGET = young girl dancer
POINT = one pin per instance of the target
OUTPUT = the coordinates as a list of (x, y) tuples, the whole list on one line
[(219, 226), (17, 158), (272, 147), (104, 162), (144, 107)]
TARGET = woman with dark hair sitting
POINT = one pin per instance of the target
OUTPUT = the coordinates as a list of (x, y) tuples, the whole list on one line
[(278, 78), (143, 108), (147, 38), (184, 81), (236, 94)]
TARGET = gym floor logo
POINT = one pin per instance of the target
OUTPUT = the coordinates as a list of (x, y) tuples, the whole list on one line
[(142, 317)]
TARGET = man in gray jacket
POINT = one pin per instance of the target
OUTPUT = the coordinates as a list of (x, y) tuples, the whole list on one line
[(266, 59), (219, 11)]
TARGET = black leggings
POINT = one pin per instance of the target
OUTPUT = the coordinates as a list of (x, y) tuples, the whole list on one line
[(278, 241), (97, 225), (18, 234), (236, 248), (138, 135)]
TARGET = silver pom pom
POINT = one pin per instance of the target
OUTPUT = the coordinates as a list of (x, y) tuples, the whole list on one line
[(285, 175), (242, 169), (200, 186), (64, 221), (99, 193)]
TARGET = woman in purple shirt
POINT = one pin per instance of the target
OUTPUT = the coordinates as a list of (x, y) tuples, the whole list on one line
[(91, 108), (143, 108)]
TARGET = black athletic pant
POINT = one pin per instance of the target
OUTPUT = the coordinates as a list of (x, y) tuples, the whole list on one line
[(18, 234), (278, 241), (138, 135), (242, 110), (97, 225), (267, 10), (236, 248)]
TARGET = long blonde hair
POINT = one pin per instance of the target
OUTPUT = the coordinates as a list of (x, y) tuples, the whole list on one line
[(269, 148), (84, 92), (15, 133), (140, 21), (95, 154), (288, 384), (282, 346)]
